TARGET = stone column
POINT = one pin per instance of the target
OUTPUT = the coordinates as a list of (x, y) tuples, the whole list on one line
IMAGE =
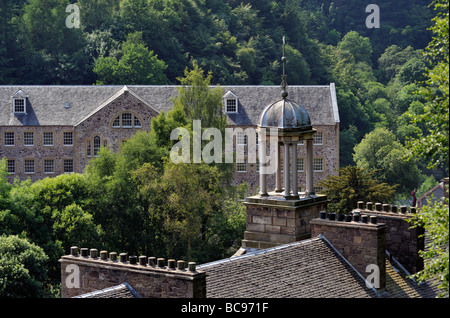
[(287, 181), (309, 167), (262, 168), (278, 187), (294, 170)]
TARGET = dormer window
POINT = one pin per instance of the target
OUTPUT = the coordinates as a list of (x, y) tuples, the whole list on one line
[(19, 102), (230, 102)]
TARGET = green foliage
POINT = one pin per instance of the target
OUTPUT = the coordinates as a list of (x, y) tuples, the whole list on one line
[(354, 184), (22, 268)]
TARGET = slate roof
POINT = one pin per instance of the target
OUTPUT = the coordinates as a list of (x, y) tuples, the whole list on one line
[(45, 104), (305, 269)]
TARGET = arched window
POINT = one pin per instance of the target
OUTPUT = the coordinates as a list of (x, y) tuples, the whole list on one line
[(127, 120), (97, 145)]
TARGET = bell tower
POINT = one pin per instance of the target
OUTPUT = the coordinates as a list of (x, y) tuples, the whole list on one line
[(282, 216)]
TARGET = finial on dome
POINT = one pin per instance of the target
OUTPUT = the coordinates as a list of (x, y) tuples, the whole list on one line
[(284, 92)]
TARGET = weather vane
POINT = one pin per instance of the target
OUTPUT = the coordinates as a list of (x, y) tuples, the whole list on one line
[(284, 93)]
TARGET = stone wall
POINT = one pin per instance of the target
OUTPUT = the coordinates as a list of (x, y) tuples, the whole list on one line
[(361, 243), (402, 241), (151, 278)]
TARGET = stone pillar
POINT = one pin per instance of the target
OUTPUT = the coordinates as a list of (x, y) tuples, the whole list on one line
[(294, 170), (287, 179), (278, 187), (262, 167), (309, 167)]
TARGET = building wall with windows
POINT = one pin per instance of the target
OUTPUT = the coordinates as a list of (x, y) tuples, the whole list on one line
[(49, 130)]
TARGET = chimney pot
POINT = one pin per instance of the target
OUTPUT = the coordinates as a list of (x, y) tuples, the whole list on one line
[(152, 261), (373, 219), (113, 256), (378, 206), (393, 208), (413, 210), (356, 216), (84, 252), (160, 262), (369, 206), (360, 205), (386, 207), (323, 215), (123, 257), (133, 259), (142, 260), (403, 209), (74, 250), (348, 218), (103, 255), (180, 265), (364, 218), (332, 216), (192, 266), (93, 252), (171, 263)]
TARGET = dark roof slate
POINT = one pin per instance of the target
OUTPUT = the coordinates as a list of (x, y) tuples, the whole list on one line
[(305, 269), (45, 104)]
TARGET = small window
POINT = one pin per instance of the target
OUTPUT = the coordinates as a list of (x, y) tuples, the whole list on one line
[(29, 166), (68, 165), (137, 122), (68, 138), (116, 123), (48, 139), (241, 138), (126, 120), (301, 142), (19, 105), (318, 138), (318, 164), (28, 138), (241, 165), (9, 139), (257, 165), (300, 165), (97, 144), (231, 106), (49, 166), (88, 149), (11, 166)]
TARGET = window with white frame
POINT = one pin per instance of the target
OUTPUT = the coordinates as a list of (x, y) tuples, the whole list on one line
[(127, 120), (49, 166), (318, 138), (29, 166), (97, 145), (241, 165), (116, 122), (19, 105), (9, 138), (241, 138), (48, 138), (68, 138), (28, 138), (231, 105), (137, 122), (11, 166), (68, 165), (318, 164), (88, 149), (300, 165)]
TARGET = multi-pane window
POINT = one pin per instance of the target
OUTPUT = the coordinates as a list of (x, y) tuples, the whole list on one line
[(318, 164), (49, 166), (29, 166), (88, 149), (48, 138), (11, 166), (28, 138), (318, 138), (241, 165), (9, 139), (300, 165), (126, 120), (231, 106), (241, 138), (97, 144), (68, 138), (19, 105), (68, 165)]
